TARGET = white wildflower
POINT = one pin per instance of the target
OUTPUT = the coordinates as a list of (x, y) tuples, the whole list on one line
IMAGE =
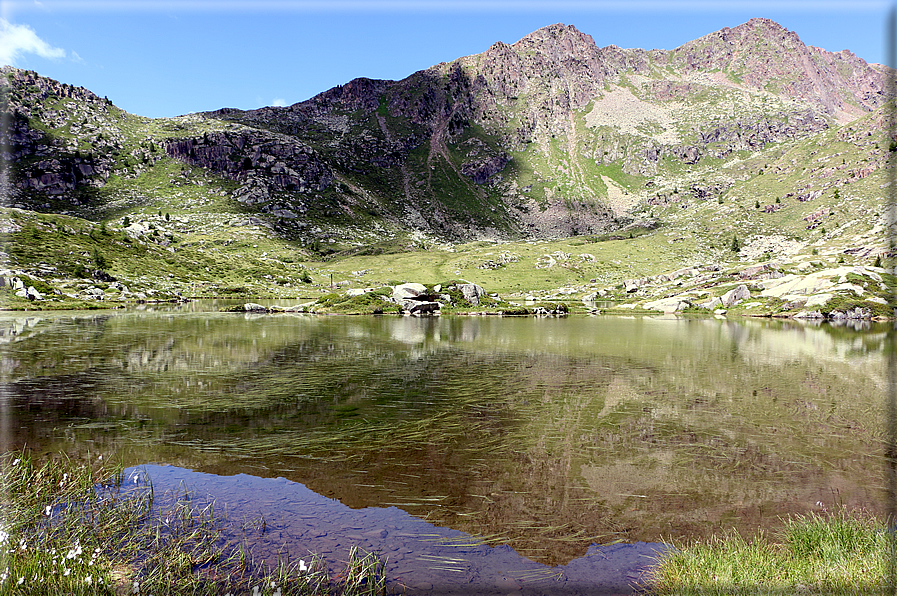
[(88, 580), (16, 462), (302, 566), (48, 510)]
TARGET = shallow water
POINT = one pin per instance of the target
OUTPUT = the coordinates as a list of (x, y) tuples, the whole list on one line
[(547, 435), (420, 557)]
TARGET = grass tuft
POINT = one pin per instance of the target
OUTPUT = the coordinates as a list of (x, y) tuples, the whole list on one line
[(844, 552)]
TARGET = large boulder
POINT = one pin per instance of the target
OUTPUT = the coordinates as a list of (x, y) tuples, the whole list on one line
[(410, 291), (668, 305), (733, 297), (471, 292), (712, 304)]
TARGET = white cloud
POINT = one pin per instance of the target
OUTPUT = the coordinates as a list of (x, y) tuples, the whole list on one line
[(279, 102), (16, 40)]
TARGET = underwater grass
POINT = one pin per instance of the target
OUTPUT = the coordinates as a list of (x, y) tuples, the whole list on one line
[(842, 552), (85, 528)]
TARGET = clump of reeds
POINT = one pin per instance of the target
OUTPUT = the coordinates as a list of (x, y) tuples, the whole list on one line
[(70, 528), (844, 552)]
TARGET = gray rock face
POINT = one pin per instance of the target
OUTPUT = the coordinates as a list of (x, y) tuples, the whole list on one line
[(275, 161), (733, 297), (253, 307)]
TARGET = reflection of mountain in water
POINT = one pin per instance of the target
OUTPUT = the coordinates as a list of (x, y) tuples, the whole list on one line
[(421, 558), (543, 433)]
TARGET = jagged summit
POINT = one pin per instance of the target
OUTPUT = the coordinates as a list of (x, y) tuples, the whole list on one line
[(558, 37), (765, 55)]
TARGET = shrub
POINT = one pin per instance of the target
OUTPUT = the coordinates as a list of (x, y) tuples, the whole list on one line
[(735, 246)]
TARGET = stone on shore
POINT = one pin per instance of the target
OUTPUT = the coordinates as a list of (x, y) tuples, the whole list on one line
[(471, 292), (409, 291)]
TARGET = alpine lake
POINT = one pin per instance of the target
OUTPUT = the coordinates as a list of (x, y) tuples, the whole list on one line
[(548, 435)]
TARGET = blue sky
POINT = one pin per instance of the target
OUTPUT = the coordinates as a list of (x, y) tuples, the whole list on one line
[(165, 58)]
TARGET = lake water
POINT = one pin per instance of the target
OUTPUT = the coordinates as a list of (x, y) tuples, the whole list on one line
[(545, 435)]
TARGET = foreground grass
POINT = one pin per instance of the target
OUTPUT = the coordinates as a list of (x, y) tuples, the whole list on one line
[(836, 553), (87, 529)]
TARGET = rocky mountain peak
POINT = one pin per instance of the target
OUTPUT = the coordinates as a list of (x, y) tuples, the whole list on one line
[(762, 54), (558, 38)]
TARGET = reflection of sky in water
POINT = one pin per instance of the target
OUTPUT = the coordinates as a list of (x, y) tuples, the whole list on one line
[(421, 558)]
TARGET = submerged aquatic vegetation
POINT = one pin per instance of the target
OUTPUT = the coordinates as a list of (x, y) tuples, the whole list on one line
[(86, 528), (844, 552)]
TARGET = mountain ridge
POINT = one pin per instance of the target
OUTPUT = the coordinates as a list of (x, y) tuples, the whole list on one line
[(550, 136)]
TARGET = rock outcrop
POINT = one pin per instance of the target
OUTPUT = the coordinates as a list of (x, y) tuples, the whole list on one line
[(281, 162)]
